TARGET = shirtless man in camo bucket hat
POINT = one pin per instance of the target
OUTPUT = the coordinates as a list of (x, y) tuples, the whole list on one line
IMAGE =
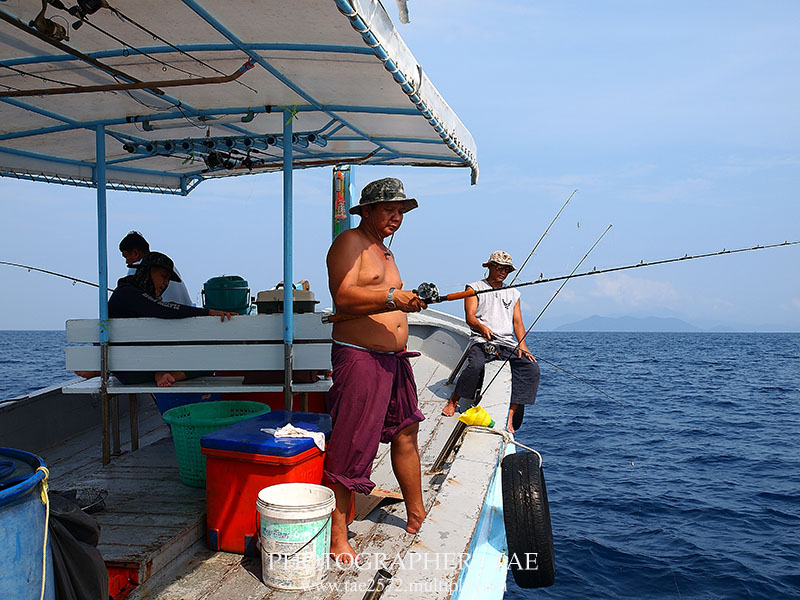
[(374, 397), (496, 322)]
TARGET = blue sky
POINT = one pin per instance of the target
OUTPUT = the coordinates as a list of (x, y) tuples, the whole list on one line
[(677, 122)]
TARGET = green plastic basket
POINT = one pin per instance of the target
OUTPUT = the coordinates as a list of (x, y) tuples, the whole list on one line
[(190, 422)]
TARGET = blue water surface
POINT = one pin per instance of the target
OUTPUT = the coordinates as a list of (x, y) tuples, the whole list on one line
[(689, 490), (31, 360)]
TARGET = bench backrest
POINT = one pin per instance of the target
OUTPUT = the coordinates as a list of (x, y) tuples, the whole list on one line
[(245, 343)]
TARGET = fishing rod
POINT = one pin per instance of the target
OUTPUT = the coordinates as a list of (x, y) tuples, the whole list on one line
[(640, 264), (125, 44), (539, 316), (429, 293), (74, 280), (543, 236)]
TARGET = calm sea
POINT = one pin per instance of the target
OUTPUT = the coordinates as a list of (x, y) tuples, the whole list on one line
[(689, 490), (685, 485), (31, 360)]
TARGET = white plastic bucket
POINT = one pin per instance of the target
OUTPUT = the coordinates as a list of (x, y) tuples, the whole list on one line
[(295, 534)]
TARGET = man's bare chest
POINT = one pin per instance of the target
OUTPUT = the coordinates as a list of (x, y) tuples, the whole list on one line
[(378, 269)]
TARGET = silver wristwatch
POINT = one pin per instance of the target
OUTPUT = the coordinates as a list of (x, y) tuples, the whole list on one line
[(390, 303)]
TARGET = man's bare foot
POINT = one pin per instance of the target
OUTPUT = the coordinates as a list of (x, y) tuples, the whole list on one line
[(87, 374), (414, 521), (343, 553), (450, 408), (164, 379)]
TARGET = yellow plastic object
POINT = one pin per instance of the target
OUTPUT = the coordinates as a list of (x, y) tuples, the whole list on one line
[(477, 415)]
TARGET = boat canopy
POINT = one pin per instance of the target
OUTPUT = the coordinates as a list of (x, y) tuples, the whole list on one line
[(185, 91)]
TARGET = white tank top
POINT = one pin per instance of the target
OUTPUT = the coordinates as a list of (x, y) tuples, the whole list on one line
[(496, 311)]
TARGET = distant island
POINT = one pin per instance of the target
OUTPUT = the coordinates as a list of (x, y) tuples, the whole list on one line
[(658, 324)]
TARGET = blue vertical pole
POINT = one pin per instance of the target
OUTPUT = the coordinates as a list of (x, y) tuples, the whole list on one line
[(102, 278), (288, 275), (102, 231)]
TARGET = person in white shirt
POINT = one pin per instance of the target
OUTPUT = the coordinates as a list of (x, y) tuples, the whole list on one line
[(134, 248), (497, 333)]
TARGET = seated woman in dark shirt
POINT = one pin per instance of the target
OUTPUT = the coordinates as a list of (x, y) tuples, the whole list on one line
[(139, 295)]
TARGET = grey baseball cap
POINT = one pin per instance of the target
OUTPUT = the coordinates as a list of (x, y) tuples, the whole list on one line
[(388, 189)]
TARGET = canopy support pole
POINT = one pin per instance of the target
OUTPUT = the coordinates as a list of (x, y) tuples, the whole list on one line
[(288, 275), (342, 199), (102, 274)]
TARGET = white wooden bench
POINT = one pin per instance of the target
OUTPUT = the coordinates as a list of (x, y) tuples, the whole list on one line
[(245, 343)]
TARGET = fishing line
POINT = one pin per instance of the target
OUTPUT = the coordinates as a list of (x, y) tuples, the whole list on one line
[(123, 17), (135, 49), (203, 124), (583, 381), (42, 77), (143, 103), (74, 280), (536, 320), (543, 235)]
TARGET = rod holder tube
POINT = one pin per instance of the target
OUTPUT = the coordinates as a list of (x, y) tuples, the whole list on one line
[(378, 585), (450, 444)]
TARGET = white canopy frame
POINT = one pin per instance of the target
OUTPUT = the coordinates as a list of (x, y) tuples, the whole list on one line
[(97, 110)]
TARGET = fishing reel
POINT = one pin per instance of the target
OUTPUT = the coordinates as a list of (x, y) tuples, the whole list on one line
[(428, 293), (84, 8), (48, 27)]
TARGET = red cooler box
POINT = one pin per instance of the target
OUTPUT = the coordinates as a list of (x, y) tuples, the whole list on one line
[(241, 460)]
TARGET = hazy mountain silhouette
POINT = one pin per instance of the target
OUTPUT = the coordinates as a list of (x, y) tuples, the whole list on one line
[(598, 323)]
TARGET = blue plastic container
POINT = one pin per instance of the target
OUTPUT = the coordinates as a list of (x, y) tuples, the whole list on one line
[(241, 460), (168, 401), (246, 436), (22, 527)]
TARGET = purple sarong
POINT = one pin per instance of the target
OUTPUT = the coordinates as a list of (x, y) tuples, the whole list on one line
[(372, 399)]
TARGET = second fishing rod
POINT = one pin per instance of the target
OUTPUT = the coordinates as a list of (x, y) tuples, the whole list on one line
[(429, 292)]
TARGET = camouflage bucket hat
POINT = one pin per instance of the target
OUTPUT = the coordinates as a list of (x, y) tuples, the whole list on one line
[(499, 257), (388, 189), (157, 259)]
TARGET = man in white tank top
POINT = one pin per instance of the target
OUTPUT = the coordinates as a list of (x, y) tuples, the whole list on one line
[(134, 248), (497, 333)]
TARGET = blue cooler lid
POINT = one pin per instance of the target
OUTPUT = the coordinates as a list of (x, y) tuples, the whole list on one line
[(246, 436)]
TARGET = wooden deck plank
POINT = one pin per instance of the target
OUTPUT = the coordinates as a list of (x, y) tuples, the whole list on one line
[(150, 516), (121, 543), (242, 583), (79, 456), (190, 580)]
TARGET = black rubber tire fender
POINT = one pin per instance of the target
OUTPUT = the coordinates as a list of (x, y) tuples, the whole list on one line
[(526, 513)]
